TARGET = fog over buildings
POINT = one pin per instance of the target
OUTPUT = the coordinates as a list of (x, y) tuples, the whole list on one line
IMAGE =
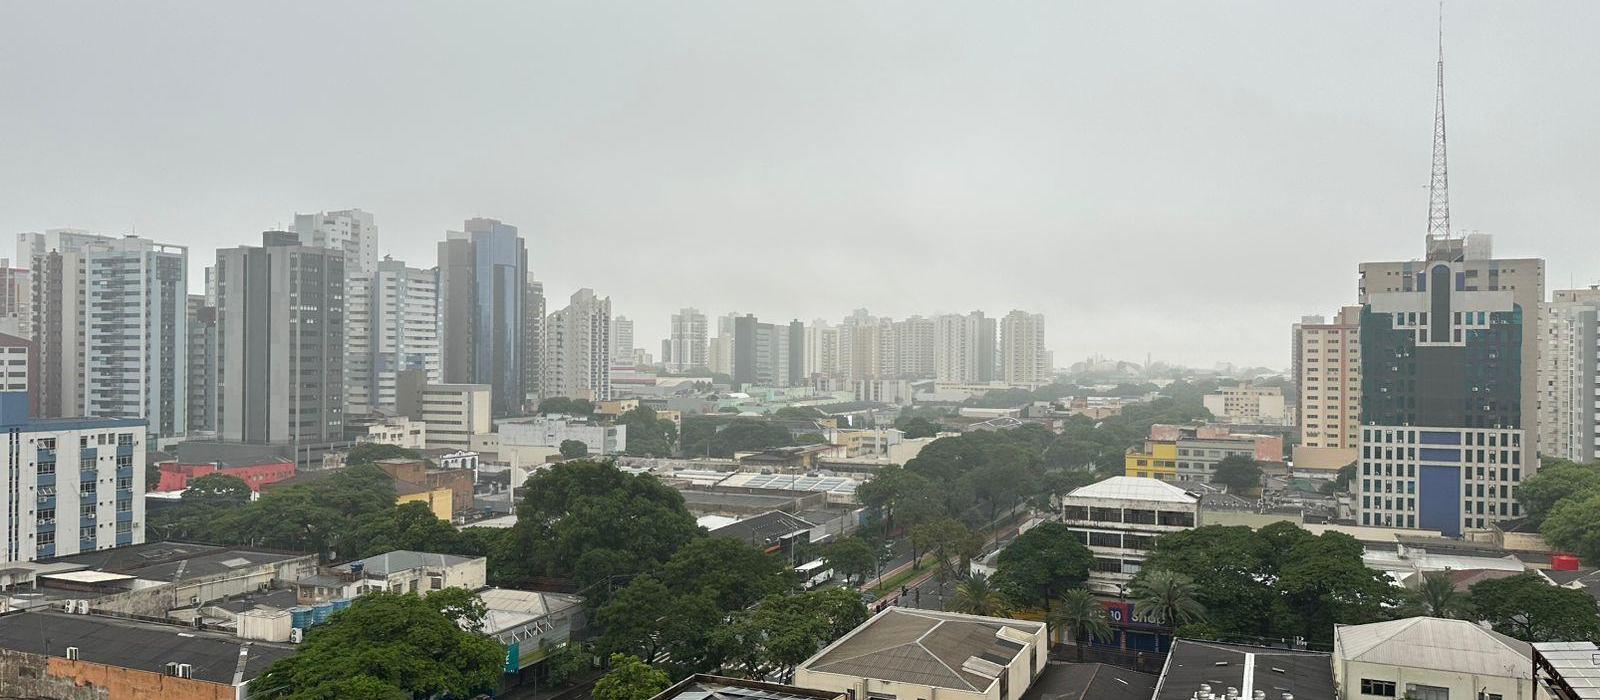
[(1156, 177)]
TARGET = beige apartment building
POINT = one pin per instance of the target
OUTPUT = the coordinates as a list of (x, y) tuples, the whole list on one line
[(1249, 405), (1328, 372)]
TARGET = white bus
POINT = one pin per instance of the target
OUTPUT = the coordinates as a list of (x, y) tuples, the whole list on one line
[(814, 573)]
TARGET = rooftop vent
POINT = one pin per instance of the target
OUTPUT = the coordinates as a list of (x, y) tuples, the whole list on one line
[(72, 653), (983, 667)]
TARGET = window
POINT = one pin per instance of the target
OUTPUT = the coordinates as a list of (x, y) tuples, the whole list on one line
[(1383, 689), (1426, 692)]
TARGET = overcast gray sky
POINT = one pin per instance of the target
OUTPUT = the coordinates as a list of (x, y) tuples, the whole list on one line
[(1180, 178)]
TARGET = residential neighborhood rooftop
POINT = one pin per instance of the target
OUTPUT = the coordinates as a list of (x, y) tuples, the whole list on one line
[(145, 646), (923, 647)]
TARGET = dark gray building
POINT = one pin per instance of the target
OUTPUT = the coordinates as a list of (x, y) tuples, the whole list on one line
[(483, 284), (202, 349), (280, 343)]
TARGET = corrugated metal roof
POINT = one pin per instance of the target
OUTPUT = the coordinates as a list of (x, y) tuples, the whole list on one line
[(1134, 488), (1437, 644)]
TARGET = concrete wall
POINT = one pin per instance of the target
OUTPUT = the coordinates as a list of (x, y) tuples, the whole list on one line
[(155, 601), (1348, 675), (34, 676)]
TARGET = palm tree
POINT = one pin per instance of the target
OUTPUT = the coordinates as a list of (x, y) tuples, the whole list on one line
[(1167, 598), (1083, 617), (1438, 595), (975, 596)]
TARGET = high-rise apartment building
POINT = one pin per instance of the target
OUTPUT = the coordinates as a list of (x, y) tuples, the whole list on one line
[(202, 360), (621, 339), (761, 353), (719, 350), (1327, 370), (136, 338), (821, 349), (916, 344), (16, 299), (533, 314), (1449, 357), (392, 325), (1569, 375), (109, 318), (483, 287), (1023, 357), (576, 357), (963, 348), (350, 231), (280, 342), (686, 345)]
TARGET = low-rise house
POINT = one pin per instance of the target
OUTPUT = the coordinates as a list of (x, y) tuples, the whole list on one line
[(1430, 658), (906, 654), (401, 571)]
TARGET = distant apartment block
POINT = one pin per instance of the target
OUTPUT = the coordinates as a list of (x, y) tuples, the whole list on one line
[(350, 231), (393, 326), (1569, 375), (1327, 370), (16, 299), (1023, 357), (575, 360), (77, 486), (686, 345), (1249, 405)]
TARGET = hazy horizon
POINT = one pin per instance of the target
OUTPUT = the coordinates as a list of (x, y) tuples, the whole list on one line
[(1179, 179)]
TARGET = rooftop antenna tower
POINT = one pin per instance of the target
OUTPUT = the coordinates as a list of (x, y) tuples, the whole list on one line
[(1439, 186)]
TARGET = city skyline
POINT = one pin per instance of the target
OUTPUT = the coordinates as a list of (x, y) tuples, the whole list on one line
[(1318, 128)]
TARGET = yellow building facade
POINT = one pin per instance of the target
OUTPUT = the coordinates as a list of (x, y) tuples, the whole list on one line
[(1159, 460), (439, 500)]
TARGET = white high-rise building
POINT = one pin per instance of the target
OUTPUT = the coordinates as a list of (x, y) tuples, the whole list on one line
[(622, 339), (822, 349), (963, 348), (136, 333), (719, 352), (78, 486), (1023, 357), (392, 326), (575, 357), (686, 346), (1569, 375), (350, 231), (915, 339)]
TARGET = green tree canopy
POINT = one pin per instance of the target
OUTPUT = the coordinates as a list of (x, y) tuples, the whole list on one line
[(916, 427), (566, 406), (410, 526), (369, 452), (1554, 482), (976, 595), (852, 558), (1041, 563), (216, 490), (1239, 473), (630, 679), (648, 435), (589, 521), (1573, 525), (388, 645), (1526, 607), (573, 449), (1279, 581)]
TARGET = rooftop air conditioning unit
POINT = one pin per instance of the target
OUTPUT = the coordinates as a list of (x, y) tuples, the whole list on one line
[(72, 653), (171, 668), (296, 635), (185, 671)]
